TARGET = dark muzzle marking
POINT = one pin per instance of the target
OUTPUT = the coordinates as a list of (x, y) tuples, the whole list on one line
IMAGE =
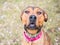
[(32, 19), (32, 24)]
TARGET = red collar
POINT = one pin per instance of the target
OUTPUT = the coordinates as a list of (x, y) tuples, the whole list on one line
[(32, 38)]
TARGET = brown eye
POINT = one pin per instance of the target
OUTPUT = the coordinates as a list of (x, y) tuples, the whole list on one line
[(27, 12), (39, 13)]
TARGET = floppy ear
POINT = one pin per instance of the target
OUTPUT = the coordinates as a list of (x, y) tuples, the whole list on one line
[(21, 15), (45, 16)]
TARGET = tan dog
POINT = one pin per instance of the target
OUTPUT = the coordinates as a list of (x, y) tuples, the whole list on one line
[(33, 19)]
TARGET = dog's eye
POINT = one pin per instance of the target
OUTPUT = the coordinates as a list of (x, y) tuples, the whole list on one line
[(27, 12), (39, 13)]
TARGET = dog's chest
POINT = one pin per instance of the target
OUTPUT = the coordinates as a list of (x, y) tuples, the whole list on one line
[(39, 41)]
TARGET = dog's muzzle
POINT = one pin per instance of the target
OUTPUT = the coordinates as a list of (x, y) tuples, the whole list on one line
[(32, 19), (32, 24)]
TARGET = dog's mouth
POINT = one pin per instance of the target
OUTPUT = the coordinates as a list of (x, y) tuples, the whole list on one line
[(32, 26)]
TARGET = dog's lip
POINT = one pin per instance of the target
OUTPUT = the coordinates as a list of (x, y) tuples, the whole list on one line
[(31, 26)]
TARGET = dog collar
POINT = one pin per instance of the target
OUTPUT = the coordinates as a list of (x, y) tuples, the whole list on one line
[(30, 39)]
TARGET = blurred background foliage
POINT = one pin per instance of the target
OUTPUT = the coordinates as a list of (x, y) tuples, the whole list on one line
[(11, 26)]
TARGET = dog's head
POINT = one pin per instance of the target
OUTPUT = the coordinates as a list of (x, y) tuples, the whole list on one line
[(33, 19)]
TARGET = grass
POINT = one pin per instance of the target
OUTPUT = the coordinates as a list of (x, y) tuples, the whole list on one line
[(10, 23)]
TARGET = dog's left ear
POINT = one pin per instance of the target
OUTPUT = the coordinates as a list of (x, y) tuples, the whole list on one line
[(45, 16)]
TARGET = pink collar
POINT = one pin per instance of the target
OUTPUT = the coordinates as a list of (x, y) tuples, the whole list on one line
[(32, 38)]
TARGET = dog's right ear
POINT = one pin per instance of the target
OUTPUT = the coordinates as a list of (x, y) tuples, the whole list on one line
[(21, 15)]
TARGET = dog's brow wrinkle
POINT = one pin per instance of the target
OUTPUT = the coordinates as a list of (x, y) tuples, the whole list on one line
[(33, 8)]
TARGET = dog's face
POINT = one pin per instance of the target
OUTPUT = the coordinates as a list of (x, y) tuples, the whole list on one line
[(33, 19)]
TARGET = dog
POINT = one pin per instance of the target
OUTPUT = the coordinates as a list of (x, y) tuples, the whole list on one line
[(33, 19)]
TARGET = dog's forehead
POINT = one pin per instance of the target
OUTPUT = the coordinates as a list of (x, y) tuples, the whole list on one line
[(33, 8)]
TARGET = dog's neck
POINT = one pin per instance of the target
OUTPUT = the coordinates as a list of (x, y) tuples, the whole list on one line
[(34, 37)]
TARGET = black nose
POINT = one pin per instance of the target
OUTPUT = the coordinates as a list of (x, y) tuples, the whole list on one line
[(32, 19)]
